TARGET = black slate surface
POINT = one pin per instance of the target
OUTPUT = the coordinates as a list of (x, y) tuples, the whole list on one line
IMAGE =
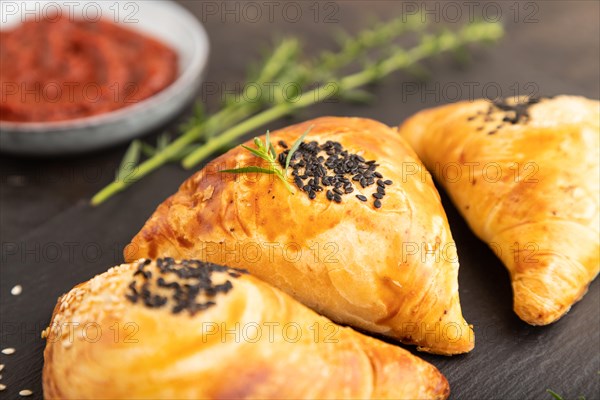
[(51, 239)]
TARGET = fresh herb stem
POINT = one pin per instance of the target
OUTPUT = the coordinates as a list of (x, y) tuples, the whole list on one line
[(266, 151), (283, 65), (235, 132), (555, 395), (295, 147), (429, 45), (224, 118), (130, 159), (353, 47), (283, 58)]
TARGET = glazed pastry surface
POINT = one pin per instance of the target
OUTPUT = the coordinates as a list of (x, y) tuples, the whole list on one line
[(390, 270), (524, 173), (190, 330)]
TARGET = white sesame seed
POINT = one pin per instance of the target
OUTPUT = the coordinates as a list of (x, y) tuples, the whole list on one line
[(8, 351), (16, 290), (1, 367), (25, 393), (2, 387)]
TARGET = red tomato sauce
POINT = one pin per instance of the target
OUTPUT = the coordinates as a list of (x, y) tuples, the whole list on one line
[(59, 69)]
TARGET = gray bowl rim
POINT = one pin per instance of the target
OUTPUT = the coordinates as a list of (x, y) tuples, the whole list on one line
[(187, 77)]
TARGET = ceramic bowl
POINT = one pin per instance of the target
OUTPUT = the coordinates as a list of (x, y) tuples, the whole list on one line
[(164, 20)]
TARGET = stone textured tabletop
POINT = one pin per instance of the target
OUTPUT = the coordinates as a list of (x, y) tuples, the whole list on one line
[(52, 239)]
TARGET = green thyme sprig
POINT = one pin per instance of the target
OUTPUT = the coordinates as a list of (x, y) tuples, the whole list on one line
[(207, 134), (129, 161), (267, 152), (429, 46), (282, 65), (354, 47), (557, 396), (203, 128), (295, 147)]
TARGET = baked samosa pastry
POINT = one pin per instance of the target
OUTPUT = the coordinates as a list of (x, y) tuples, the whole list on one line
[(357, 243), (192, 330), (524, 173)]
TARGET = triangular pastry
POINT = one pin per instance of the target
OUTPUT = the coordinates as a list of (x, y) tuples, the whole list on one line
[(524, 173), (190, 330), (361, 243)]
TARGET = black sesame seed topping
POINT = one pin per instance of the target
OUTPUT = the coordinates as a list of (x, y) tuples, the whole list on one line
[(361, 197), (513, 112), (316, 166), (377, 203), (192, 279)]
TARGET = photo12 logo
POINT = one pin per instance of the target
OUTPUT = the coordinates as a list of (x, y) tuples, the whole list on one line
[(271, 332), (269, 92), (471, 11), (260, 252), (54, 252), (327, 12), (472, 172), (69, 92), (69, 332), (448, 92), (124, 12)]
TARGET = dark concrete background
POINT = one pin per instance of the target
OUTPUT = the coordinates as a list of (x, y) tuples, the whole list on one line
[(551, 47)]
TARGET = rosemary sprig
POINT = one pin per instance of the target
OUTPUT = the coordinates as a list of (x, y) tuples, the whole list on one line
[(430, 45), (266, 151)]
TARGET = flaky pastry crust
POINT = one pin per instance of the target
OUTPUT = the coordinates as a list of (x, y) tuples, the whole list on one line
[(253, 342), (390, 270), (524, 173)]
